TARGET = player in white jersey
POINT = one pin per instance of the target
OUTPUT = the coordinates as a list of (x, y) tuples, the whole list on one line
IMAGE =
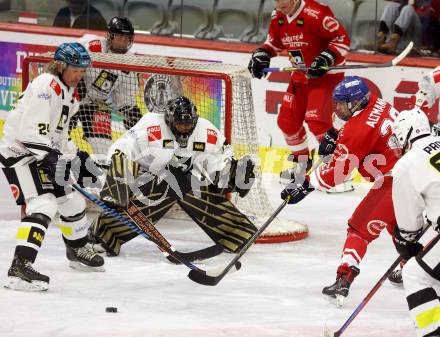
[(416, 190), (35, 136), (176, 157), (104, 91)]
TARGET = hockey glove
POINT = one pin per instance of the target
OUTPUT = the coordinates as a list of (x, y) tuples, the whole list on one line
[(406, 243), (421, 100), (436, 226), (242, 176), (296, 192), (49, 163), (328, 143), (85, 168), (260, 59), (321, 64)]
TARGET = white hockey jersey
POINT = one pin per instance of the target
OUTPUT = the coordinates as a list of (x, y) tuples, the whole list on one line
[(429, 89), (108, 85), (39, 123), (416, 184), (152, 144)]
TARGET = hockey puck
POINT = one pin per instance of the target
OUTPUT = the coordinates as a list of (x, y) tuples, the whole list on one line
[(111, 309)]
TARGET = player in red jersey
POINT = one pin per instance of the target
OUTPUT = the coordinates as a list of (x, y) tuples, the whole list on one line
[(364, 142), (312, 37)]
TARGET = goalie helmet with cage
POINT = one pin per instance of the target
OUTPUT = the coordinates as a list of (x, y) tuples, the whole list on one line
[(350, 95), (409, 126), (73, 54), (120, 34), (181, 117)]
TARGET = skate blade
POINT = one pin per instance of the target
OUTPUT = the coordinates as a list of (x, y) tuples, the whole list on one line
[(85, 268), (337, 301), (16, 283)]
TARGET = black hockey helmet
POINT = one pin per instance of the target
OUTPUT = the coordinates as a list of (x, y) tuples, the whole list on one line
[(121, 26), (181, 117)]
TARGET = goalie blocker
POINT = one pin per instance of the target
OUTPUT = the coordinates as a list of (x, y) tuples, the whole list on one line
[(176, 157)]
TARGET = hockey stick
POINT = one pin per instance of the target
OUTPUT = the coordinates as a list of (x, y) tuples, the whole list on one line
[(145, 224), (328, 333), (212, 278), (196, 270), (392, 63)]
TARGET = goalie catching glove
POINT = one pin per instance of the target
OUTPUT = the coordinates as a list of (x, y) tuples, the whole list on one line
[(239, 178)]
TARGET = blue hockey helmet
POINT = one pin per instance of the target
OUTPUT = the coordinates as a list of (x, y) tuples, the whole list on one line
[(354, 91), (73, 54)]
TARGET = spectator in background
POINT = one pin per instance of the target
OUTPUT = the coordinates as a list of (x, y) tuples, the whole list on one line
[(434, 27), (80, 14), (400, 19)]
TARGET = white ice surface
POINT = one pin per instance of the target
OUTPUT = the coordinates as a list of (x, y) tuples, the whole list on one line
[(277, 293)]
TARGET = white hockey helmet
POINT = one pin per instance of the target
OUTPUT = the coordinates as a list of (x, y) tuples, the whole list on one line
[(409, 126)]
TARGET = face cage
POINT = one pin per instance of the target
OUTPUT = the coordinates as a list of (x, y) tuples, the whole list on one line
[(110, 37)]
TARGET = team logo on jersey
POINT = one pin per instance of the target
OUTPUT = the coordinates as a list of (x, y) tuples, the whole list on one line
[(341, 152), (15, 191), (56, 87), (199, 146), (331, 24), (374, 227), (154, 133), (300, 22), (212, 136), (105, 81), (157, 92), (281, 21), (44, 95), (436, 76), (168, 144), (95, 46)]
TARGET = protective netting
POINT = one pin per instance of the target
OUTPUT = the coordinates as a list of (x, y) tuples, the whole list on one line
[(118, 89)]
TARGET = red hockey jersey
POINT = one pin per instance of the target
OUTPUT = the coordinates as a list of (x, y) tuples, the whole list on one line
[(364, 143), (310, 30)]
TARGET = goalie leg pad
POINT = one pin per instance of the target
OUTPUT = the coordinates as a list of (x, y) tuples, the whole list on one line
[(112, 234), (219, 219), (116, 190)]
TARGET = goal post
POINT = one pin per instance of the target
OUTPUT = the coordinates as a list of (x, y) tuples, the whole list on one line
[(141, 84)]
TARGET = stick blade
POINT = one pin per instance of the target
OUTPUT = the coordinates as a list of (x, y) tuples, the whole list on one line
[(212, 278), (198, 255), (403, 54)]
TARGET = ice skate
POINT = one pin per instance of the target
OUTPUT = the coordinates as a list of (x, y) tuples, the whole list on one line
[(22, 276), (84, 258), (338, 291)]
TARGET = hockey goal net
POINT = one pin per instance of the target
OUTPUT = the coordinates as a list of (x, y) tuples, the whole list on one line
[(143, 84)]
